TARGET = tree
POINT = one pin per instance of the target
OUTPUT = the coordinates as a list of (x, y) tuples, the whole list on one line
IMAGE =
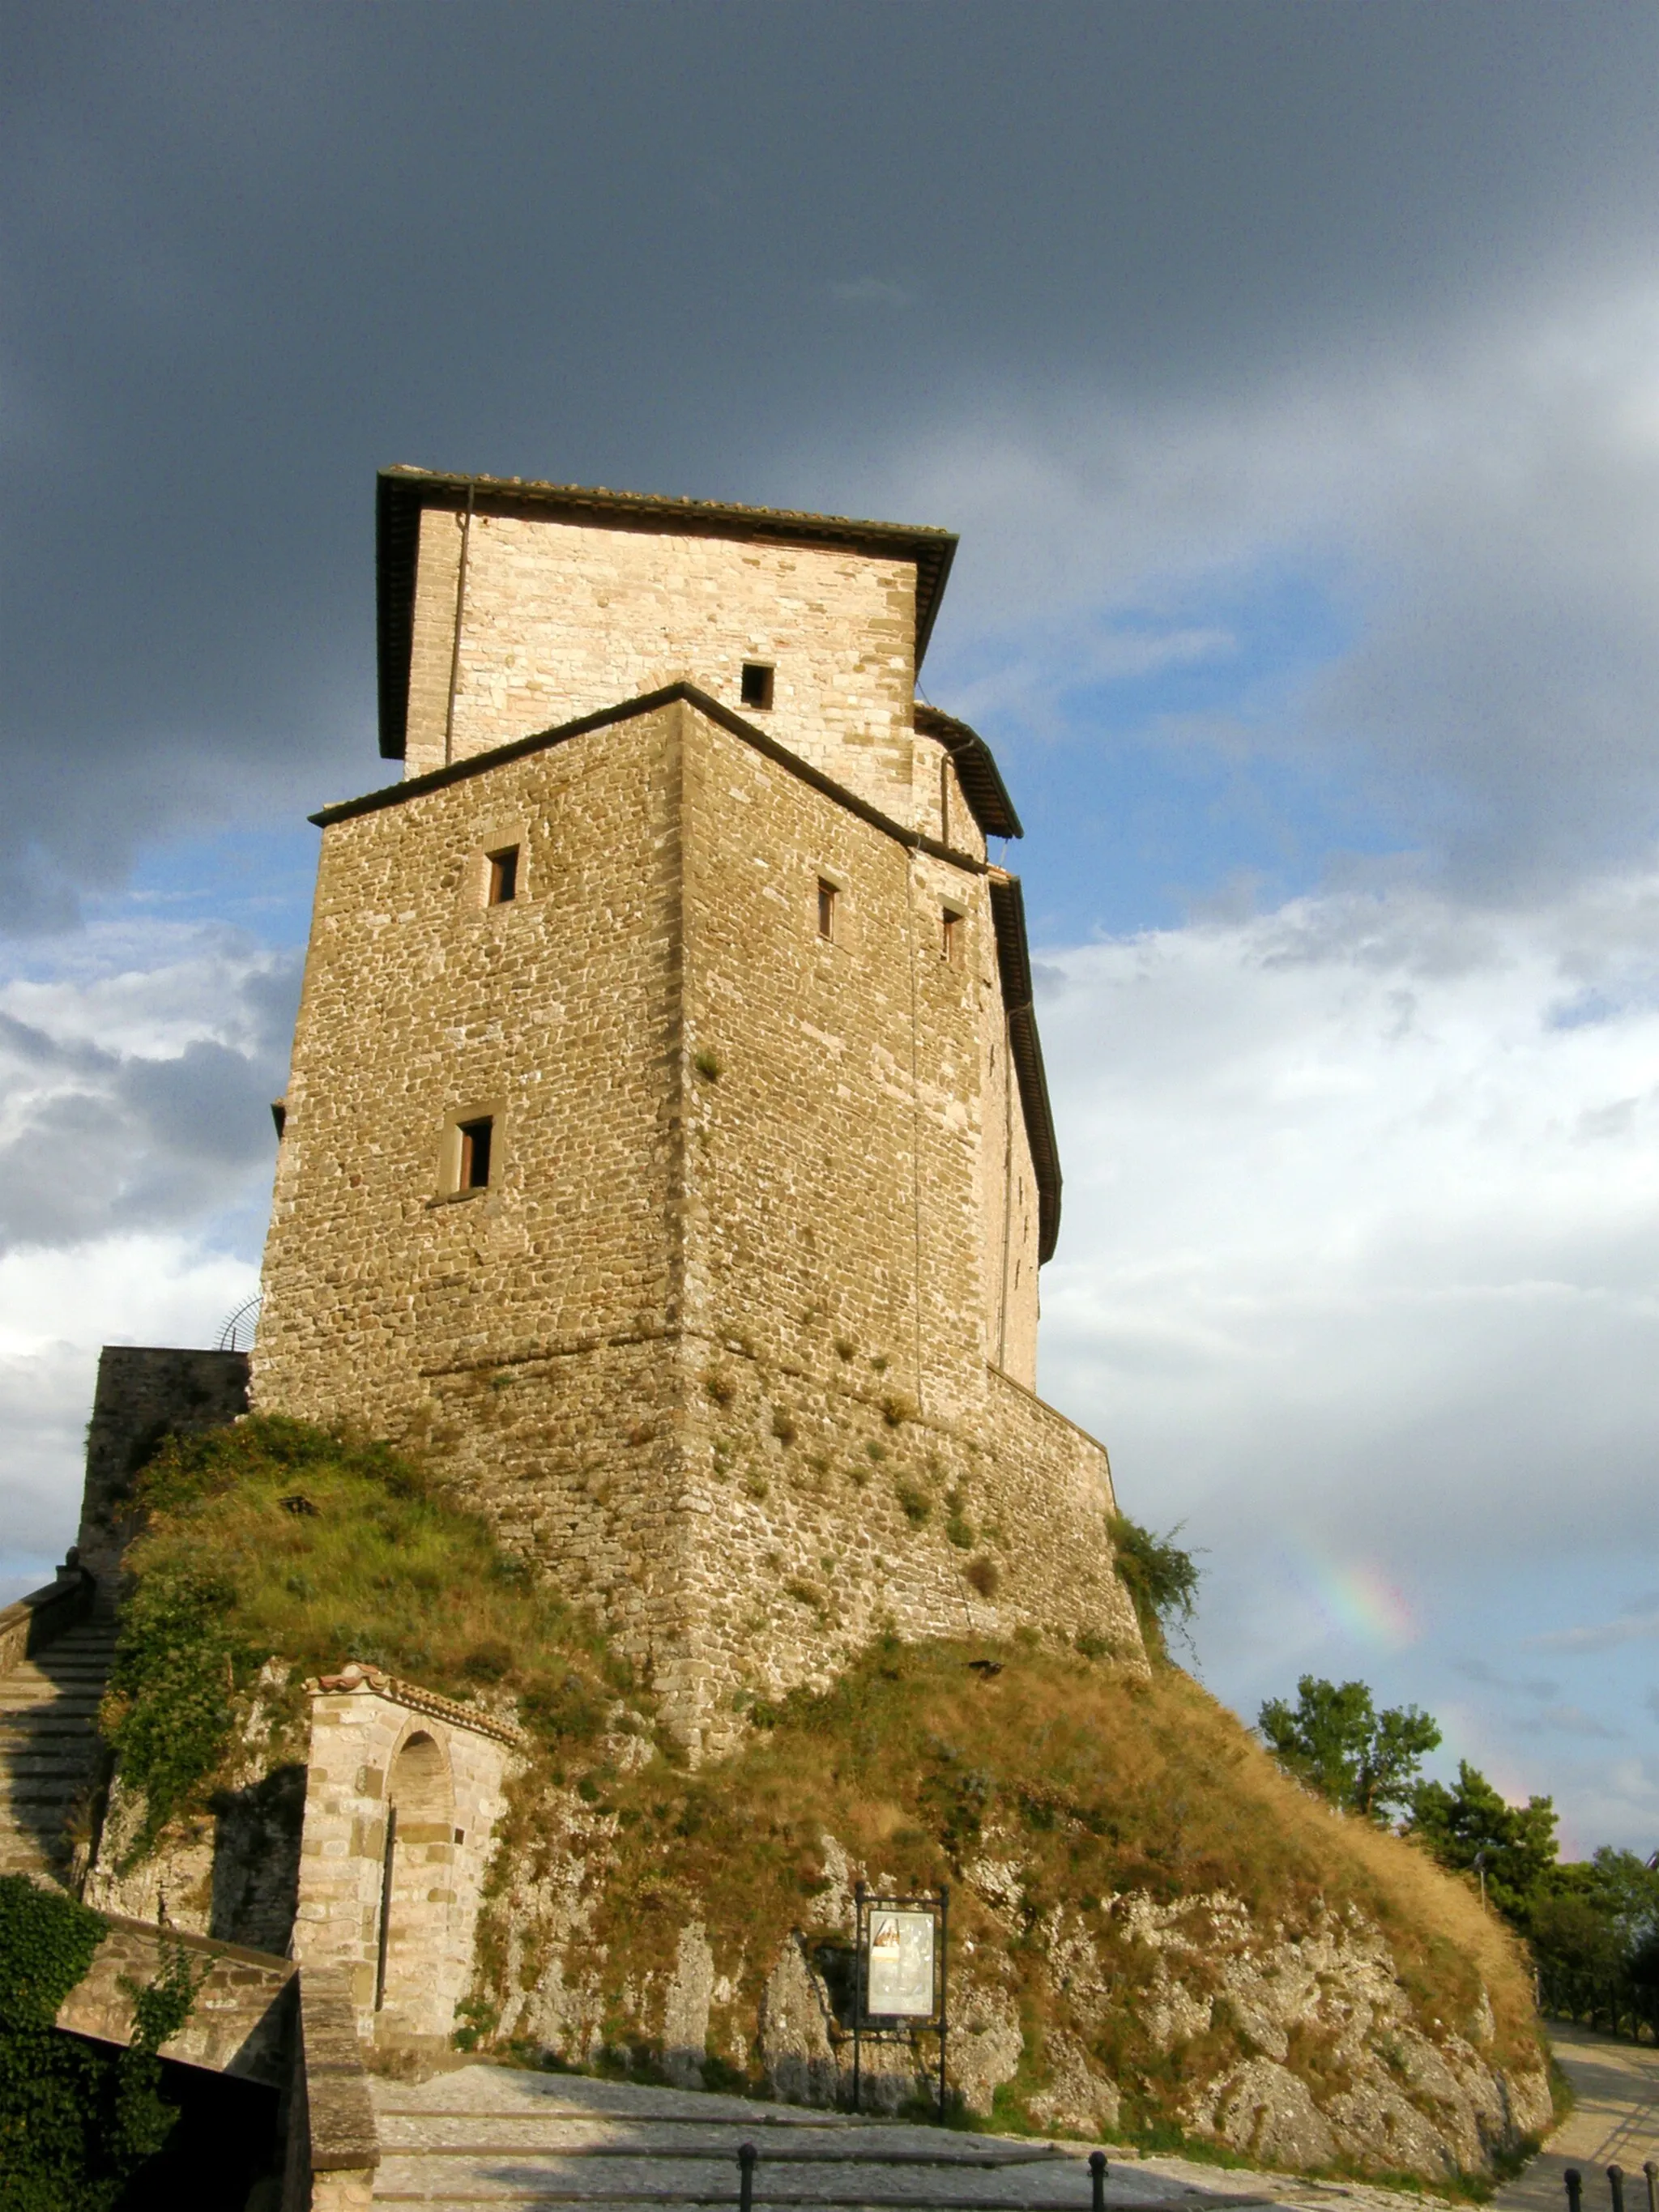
[(1336, 1740), (1473, 1829), (1598, 1917)]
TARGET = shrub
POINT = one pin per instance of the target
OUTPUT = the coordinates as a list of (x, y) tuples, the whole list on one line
[(985, 1576), (914, 1500), (1162, 1581), (77, 2119)]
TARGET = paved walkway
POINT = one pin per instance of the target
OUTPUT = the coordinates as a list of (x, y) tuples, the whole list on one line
[(1615, 2122)]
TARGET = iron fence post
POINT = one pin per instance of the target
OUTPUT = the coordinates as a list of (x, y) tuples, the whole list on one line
[(944, 1982), (858, 1993), (1616, 2183), (1652, 2173), (1574, 2182), (1097, 2179), (746, 2155)]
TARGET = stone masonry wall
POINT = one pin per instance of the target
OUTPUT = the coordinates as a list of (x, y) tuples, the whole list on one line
[(143, 1393), (562, 619), (713, 1347), (374, 1744)]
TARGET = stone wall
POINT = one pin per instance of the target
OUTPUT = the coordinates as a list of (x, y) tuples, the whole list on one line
[(713, 1347), (239, 2022), (143, 1394), (377, 1745), (564, 618)]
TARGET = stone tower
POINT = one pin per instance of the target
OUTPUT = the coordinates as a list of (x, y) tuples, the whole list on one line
[(666, 1144)]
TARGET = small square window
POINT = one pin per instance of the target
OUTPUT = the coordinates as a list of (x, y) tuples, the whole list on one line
[(756, 683), (503, 876), (826, 908), (474, 1164), (951, 936)]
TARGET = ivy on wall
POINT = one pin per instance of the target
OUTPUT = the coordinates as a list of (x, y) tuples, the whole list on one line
[(76, 2120)]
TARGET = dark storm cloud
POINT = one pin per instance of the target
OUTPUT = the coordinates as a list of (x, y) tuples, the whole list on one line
[(100, 1141), (251, 254)]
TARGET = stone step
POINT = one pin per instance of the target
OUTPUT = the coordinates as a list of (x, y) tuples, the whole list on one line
[(396, 2183), (27, 1699), (29, 1792), (41, 1765)]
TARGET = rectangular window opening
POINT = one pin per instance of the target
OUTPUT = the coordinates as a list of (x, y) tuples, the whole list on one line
[(756, 683), (951, 936), (826, 908), (503, 876), (475, 1138)]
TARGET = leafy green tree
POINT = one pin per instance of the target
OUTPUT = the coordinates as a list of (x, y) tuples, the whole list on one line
[(1472, 1830), (1598, 1917), (1336, 1740)]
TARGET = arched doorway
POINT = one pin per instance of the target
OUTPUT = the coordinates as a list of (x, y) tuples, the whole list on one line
[(416, 1884)]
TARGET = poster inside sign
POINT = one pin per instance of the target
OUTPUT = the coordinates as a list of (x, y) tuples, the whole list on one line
[(900, 1963)]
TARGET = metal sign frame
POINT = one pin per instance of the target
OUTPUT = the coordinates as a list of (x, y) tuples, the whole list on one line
[(887, 2027)]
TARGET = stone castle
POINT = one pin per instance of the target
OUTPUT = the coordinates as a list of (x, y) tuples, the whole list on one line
[(667, 1140)]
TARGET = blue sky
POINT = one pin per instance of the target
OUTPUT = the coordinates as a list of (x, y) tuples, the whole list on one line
[(1289, 373)]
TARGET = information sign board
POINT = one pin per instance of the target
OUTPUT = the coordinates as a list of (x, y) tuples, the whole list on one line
[(900, 1984)]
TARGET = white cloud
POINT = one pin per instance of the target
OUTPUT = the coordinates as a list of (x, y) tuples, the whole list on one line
[(1479, 525), (1359, 1277), (57, 1309), (135, 1161)]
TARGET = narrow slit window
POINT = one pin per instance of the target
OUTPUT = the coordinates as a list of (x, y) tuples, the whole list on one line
[(503, 876), (474, 1165), (756, 683), (826, 908), (950, 936)]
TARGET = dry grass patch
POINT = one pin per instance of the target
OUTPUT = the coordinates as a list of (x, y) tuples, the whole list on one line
[(1093, 1784)]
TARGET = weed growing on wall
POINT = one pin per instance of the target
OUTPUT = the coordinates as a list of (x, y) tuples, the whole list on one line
[(275, 1539), (1162, 1581), (77, 2119)]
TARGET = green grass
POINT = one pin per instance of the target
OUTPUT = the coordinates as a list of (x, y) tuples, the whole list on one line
[(277, 1540), (273, 1539)]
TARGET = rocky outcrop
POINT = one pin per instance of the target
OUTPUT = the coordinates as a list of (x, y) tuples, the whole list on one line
[(1297, 2046)]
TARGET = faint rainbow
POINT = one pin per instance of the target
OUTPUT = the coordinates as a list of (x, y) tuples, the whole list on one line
[(1357, 1599)]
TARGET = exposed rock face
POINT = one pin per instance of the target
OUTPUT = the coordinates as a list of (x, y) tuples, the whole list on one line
[(1297, 2046), (1342, 2066), (685, 2013)]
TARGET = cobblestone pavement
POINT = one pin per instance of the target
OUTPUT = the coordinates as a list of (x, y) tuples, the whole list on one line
[(493, 2136), (1615, 2122)]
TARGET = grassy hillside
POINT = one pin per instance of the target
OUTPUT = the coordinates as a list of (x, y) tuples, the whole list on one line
[(277, 1540), (924, 1763)]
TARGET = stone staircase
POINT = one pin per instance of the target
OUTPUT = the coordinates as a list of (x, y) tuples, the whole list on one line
[(494, 2136), (49, 1747)]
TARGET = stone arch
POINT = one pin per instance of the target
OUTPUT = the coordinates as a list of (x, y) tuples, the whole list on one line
[(416, 1889)]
